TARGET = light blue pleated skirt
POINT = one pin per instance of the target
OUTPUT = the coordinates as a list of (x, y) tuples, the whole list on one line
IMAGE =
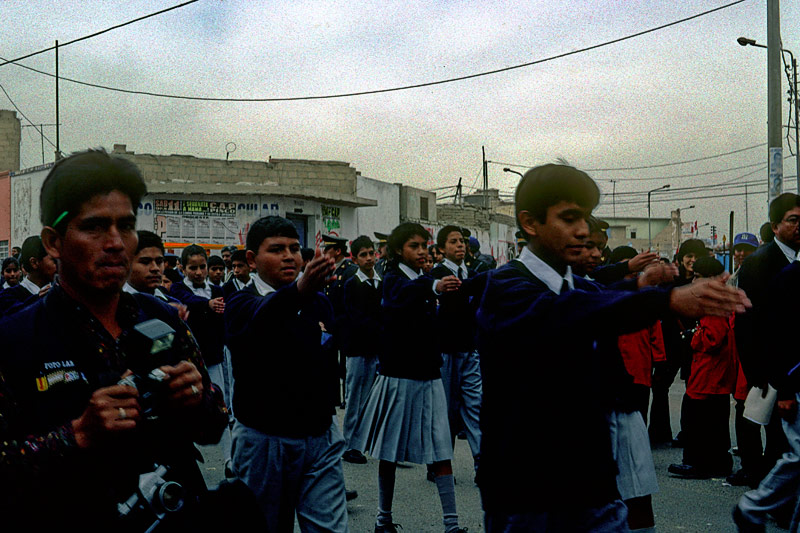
[(631, 447)]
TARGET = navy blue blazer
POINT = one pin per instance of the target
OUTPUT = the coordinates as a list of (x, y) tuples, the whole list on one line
[(207, 326)]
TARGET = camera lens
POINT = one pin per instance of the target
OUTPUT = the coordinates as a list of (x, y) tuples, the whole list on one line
[(170, 496)]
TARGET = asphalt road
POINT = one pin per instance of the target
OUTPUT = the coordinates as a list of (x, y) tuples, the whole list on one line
[(681, 506)]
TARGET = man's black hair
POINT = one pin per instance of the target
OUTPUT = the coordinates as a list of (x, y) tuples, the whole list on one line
[(359, 244), (9, 260), (781, 204), (173, 275), (622, 253), (239, 255), (708, 267), (32, 248), (148, 239), (271, 226), (545, 186), (216, 260), (76, 179), (192, 250), (400, 235), (441, 237), (307, 254), (766, 233)]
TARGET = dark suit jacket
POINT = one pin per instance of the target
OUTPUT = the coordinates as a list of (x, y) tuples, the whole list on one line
[(207, 326), (752, 328)]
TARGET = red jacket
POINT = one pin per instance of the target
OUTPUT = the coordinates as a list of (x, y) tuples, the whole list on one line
[(714, 361), (640, 349)]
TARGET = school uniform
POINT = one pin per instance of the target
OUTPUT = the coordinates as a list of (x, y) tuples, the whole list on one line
[(562, 381), (461, 373), (361, 338), (157, 293), (289, 457), (19, 296), (231, 286), (405, 418), (334, 291)]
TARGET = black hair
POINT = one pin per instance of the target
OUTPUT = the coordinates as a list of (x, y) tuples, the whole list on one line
[(7, 261), (239, 255), (215, 260), (173, 275), (271, 226), (307, 254), (76, 179), (192, 250), (622, 253), (434, 250), (545, 186), (691, 246), (766, 233), (359, 244), (32, 248), (400, 235), (781, 204), (441, 237), (148, 239), (171, 259), (708, 267)]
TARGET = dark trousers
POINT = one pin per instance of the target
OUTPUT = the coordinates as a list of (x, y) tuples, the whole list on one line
[(707, 437), (748, 439), (663, 375)]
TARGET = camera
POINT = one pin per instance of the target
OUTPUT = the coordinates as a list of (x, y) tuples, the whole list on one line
[(154, 500), (148, 345)]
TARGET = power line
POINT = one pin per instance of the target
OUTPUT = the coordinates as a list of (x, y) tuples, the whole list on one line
[(392, 89), (645, 166), (95, 34), (26, 118), (680, 176)]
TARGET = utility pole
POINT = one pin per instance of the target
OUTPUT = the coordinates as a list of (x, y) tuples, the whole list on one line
[(774, 140), (614, 197), (58, 133), (485, 180)]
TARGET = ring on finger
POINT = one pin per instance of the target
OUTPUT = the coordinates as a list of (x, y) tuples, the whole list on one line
[(195, 390), (122, 414)]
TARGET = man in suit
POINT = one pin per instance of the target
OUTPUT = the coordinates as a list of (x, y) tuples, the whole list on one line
[(751, 329)]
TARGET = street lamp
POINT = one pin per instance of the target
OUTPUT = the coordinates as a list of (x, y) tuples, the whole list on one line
[(512, 171), (697, 231), (649, 235), (744, 41)]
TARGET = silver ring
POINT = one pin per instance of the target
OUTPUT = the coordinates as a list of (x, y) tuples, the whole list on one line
[(195, 391), (122, 414)]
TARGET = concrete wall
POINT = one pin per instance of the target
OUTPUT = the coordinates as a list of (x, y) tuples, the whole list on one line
[(494, 231), (24, 208), (411, 200), (385, 216), (10, 138), (666, 234)]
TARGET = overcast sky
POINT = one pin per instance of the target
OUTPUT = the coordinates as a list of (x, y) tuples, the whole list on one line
[(684, 92)]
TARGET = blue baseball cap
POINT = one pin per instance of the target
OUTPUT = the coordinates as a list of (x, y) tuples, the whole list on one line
[(745, 238)]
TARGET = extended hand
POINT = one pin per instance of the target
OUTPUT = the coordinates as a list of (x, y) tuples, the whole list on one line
[(217, 305), (656, 274), (637, 263), (316, 273), (448, 284), (708, 297)]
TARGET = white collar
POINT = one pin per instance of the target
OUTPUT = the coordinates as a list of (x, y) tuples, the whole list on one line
[(790, 254), (31, 286), (240, 285), (205, 292), (262, 286), (405, 269), (363, 277), (157, 292), (545, 272), (454, 268)]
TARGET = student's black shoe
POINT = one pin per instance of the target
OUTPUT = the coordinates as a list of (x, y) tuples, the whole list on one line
[(355, 457), (350, 495), (229, 474), (742, 479), (693, 472), (462, 435), (388, 528), (431, 476), (743, 525)]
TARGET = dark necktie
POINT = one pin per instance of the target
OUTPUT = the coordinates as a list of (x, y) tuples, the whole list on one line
[(201, 286), (461, 274), (564, 287)]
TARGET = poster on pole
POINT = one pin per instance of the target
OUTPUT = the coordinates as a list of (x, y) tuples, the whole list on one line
[(775, 173)]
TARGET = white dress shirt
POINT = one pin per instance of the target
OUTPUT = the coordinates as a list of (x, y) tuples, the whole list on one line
[(545, 272)]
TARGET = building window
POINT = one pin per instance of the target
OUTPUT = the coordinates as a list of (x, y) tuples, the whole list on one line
[(423, 208), (3, 249), (633, 234)]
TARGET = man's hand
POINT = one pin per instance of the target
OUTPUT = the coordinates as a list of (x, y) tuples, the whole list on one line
[(786, 409), (708, 297), (448, 284), (44, 290), (183, 311), (316, 274), (639, 262), (185, 384), (111, 409), (656, 274), (217, 305)]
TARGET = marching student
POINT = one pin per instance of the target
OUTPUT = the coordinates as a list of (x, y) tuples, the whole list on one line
[(10, 272), (241, 273), (529, 484), (216, 270), (290, 457), (147, 269), (40, 269), (405, 419), (455, 326), (361, 337)]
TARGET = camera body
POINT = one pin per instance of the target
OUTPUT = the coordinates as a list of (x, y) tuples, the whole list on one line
[(154, 500)]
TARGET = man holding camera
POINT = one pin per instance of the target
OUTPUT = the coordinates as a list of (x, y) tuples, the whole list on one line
[(74, 440)]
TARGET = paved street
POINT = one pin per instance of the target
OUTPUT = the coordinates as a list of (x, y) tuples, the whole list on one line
[(683, 506)]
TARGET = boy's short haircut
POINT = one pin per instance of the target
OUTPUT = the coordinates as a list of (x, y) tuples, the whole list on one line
[(216, 260), (441, 237), (32, 248), (766, 233), (307, 254), (402, 233), (781, 204), (545, 186), (359, 244), (173, 275), (621, 253), (708, 267), (266, 227), (76, 179), (8, 261), (148, 239), (191, 251), (239, 255)]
